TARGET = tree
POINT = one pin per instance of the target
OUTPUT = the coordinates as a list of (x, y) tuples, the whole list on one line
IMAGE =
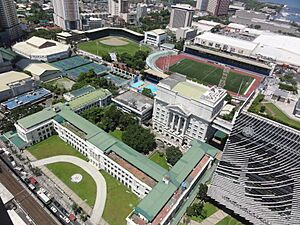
[(262, 109), (195, 209), (139, 138), (202, 193), (179, 45), (173, 155), (147, 92), (257, 27)]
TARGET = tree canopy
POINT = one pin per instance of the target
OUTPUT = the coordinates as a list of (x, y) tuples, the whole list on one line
[(173, 155), (139, 138)]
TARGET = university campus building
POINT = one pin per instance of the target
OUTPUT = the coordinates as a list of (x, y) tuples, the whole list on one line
[(258, 175), (163, 193), (184, 110)]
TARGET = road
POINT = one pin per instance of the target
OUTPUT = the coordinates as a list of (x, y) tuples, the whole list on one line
[(90, 169), (23, 197)]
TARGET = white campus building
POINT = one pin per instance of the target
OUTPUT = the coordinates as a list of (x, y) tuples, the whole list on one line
[(41, 49), (183, 110), (155, 37)]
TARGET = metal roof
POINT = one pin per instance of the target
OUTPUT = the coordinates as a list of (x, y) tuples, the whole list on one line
[(151, 205), (89, 98)]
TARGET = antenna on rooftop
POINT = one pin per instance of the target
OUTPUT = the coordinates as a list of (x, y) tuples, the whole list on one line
[(223, 79)]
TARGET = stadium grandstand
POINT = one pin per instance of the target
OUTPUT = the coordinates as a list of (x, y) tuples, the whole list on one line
[(113, 31), (258, 175), (152, 58), (76, 65)]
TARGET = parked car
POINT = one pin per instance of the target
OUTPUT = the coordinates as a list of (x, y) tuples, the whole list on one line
[(53, 209)]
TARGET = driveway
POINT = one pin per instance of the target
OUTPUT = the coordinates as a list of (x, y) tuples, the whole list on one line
[(90, 169)]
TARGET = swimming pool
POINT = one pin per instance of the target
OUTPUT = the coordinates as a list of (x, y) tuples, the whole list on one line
[(152, 88), (137, 84)]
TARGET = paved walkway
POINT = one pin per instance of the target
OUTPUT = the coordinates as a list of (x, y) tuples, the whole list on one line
[(99, 179), (212, 220)]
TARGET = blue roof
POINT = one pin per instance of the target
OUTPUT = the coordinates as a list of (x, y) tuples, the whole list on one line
[(118, 81), (98, 69), (70, 63), (26, 98)]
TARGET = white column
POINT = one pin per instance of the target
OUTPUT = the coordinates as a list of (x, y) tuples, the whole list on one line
[(184, 126), (173, 121), (178, 123)]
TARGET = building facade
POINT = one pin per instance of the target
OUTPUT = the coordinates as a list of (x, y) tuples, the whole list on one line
[(155, 37), (66, 14), (141, 11), (10, 29), (218, 7), (201, 5), (183, 110), (181, 16), (258, 175)]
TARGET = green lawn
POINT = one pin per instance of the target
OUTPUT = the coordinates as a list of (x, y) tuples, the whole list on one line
[(272, 110), (117, 134), (63, 82), (208, 210), (53, 146), (228, 220), (98, 48), (211, 75), (120, 201), (160, 160), (86, 189)]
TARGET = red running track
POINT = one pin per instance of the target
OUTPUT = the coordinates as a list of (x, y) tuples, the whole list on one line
[(167, 61)]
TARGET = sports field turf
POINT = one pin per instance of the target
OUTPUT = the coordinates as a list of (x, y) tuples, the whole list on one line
[(210, 75), (98, 48)]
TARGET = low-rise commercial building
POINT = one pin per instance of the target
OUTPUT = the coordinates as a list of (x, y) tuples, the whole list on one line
[(155, 37), (185, 33), (135, 103), (14, 83), (184, 110), (41, 49), (78, 93), (98, 98)]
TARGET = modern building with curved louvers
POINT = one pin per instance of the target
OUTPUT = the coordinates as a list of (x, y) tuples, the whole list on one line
[(258, 176)]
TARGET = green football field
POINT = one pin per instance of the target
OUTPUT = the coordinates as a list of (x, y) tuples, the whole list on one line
[(96, 47), (210, 75)]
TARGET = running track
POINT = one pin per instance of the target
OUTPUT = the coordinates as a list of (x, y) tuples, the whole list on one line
[(171, 60)]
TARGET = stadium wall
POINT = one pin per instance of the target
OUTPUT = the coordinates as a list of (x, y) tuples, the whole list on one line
[(114, 31), (227, 61)]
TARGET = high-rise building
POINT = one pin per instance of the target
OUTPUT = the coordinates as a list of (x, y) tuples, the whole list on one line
[(258, 176), (181, 16), (66, 14), (218, 7), (141, 10), (116, 7), (201, 5), (10, 29)]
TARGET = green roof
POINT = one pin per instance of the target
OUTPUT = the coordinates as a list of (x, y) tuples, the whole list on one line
[(14, 138), (221, 135), (36, 118), (151, 205), (82, 91), (8, 54), (190, 90), (89, 98)]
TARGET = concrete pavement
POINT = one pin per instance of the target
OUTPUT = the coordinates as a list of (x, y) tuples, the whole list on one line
[(211, 220), (97, 176)]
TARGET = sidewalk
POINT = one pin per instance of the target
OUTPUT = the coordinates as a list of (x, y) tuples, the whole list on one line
[(65, 188), (212, 220)]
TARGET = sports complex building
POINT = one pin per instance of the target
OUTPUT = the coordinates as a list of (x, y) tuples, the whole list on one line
[(258, 175)]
